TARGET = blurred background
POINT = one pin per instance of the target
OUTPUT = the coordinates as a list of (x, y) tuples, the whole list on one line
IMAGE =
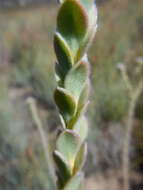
[(27, 69)]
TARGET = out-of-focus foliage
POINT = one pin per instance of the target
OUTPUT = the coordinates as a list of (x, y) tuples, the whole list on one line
[(26, 68), (22, 3), (118, 41)]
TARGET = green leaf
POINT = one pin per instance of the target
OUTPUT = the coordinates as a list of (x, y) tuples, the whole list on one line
[(63, 171), (63, 55), (76, 78), (81, 107), (68, 145), (93, 24), (65, 103), (75, 182), (84, 95), (80, 112), (80, 158), (85, 44), (82, 104), (87, 4), (72, 23), (62, 121), (81, 128)]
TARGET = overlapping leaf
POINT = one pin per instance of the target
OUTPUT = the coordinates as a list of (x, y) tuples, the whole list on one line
[(76, 25), (76, 78), (92, 19), (72, 23), (75, 183), (63, 171), (87, 4), (65, 103), (81, 127), (83, 99), (80, 111), (80, 158), (68, 145), (63, 55)]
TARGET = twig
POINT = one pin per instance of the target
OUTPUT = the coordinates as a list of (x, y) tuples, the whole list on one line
[(127, 139), (33, 108)]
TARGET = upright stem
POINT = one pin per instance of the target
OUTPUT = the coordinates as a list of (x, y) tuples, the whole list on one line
[(127, 139), (33, 108), (126, 147), (76, 26)]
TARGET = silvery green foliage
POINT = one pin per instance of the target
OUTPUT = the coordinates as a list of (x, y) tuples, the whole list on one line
[(76, 26)]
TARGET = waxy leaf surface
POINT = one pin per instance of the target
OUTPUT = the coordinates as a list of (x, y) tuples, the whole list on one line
[(65, 103), (68, 145), (72, 23), (76, 78), (75, 183), (63, 55)]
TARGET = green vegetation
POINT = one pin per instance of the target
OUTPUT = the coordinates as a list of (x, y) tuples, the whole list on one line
[(76, 26), (27, 68)]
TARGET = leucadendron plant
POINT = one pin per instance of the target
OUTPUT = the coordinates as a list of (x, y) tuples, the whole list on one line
[(76, 26)]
